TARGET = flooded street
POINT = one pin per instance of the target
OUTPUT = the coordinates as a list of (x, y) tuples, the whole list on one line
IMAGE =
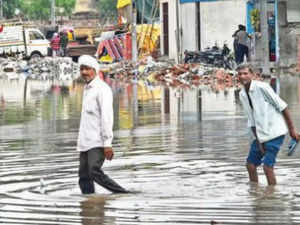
[(186, 167)]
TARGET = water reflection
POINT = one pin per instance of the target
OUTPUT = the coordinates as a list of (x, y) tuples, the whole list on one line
[(183, 151), (269, 201), (92, 211)]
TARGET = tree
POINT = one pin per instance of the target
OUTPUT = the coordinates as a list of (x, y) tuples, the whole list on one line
[(67, 5), (41, 9), (9, 7), (37, 9), (108, 7)]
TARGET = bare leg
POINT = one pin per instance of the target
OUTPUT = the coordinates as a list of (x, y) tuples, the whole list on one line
[(252, 172), (269, 172)]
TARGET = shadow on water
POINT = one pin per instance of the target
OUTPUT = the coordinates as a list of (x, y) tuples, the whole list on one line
[(183, 151)]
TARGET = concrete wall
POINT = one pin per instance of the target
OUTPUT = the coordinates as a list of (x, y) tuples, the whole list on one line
[(293, 9), (188, 26), (172, 28), (161, 20), (288, 46), (219, 20), (287, 37), (289, 12)]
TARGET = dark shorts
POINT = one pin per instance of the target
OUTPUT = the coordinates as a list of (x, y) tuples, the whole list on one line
[(271, 147)]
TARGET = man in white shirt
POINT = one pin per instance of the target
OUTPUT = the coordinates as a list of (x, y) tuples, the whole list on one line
[(95, 132), (269, 120)]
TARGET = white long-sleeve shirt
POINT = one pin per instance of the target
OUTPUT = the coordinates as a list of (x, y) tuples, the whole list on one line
[(96, 124), (266, 115)]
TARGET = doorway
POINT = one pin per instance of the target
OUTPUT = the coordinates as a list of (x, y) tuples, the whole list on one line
[(165, 10)]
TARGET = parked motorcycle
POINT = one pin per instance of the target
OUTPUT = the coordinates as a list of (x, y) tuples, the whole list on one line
[(212, 56)]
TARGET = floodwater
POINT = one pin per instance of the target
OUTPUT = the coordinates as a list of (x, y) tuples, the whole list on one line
[(186, 167)]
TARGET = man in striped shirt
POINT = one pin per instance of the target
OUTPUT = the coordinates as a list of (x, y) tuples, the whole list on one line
[(269, 121)]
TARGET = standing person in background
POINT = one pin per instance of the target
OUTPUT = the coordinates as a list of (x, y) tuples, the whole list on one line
[(95, 132), (55, 44), (70, 34), (269, 121), (243, 39), (63, 43), (235, 42)]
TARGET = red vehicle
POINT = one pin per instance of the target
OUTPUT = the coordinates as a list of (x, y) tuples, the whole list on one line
[(80, 47)]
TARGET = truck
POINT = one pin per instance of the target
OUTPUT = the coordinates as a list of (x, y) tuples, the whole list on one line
[(83, 43), (18, 38)]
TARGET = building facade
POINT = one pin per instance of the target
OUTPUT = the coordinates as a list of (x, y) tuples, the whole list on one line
[(198, 24)]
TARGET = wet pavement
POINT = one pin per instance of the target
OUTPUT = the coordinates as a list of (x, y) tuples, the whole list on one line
[(186, 167)]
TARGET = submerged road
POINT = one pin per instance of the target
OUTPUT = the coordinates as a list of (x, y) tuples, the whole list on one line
[(185, 170)]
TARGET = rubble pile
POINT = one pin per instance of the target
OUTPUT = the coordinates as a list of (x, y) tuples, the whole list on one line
[(170, 74), (127, 71), (152, 72), (48, 68), (191, 75)]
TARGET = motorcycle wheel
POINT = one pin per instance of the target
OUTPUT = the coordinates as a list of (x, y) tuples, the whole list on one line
[(230, 64)]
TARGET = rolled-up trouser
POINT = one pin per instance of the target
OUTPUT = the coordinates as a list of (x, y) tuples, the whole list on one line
[(90, 170)]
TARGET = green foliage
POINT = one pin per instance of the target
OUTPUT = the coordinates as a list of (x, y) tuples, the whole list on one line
[(41, 9), (9, 7), (36, 9), (68, 6), (255, 19), (107, 7)]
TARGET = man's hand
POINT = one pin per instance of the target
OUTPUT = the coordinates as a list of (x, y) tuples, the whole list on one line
[(108, 153), (261, 148), (290, 124), (294, 134)]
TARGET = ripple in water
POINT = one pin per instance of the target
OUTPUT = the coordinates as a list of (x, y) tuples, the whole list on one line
[(184, 171)]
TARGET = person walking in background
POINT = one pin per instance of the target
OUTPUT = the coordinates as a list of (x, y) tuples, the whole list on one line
[(70, 34), (95, 132), (243, 39), (63, 43), (269, 120), (235, 42), (55, 44)]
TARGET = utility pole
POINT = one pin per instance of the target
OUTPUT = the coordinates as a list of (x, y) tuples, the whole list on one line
[(277, 34), (134, 39), (264, 35), (1, 9), (134, 61), (53, 12), (178, 34)]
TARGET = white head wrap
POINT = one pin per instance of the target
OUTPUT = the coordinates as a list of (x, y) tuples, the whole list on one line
[(89, 61)]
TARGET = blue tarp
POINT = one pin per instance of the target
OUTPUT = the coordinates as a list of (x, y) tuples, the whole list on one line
[(185, 1), (250, 7)]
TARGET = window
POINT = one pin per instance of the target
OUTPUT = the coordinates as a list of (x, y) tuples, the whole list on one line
[(33, 35)]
